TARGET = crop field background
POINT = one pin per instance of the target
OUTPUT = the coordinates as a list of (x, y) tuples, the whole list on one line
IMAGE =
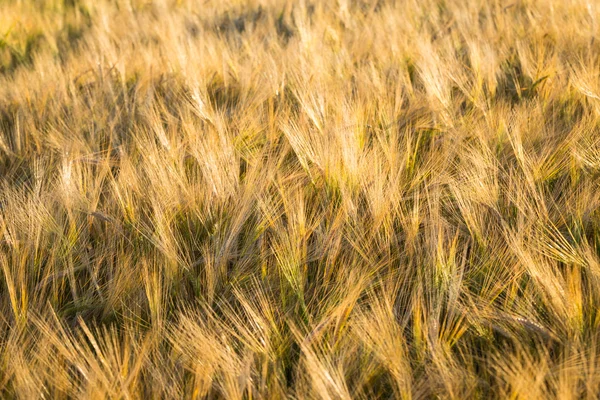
[(269, 199)]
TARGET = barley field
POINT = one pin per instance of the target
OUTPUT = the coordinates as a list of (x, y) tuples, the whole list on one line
[(299, 199)]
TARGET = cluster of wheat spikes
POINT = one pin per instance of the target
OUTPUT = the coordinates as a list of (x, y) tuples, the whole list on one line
[(299, 199)]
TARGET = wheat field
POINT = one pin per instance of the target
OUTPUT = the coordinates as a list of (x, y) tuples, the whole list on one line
[(302, 199)]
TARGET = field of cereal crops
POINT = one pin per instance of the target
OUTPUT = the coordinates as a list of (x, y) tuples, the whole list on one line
[(306, 199)]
